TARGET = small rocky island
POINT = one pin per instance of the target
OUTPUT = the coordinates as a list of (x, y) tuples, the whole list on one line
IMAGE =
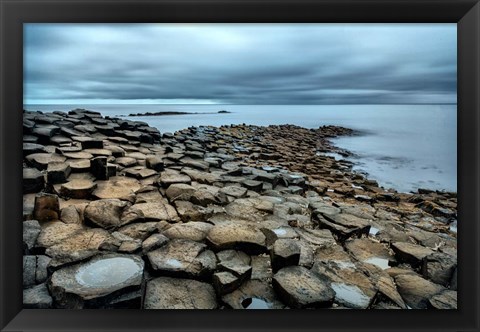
[(164, 113), (119, 215)]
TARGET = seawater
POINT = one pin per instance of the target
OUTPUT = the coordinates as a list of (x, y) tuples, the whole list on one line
[(404, 147)]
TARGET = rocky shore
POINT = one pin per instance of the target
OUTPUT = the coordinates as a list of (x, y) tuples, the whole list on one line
[(119, 215)]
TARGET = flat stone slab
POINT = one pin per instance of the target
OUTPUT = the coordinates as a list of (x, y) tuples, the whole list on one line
[(180, 192), (371, 252), (78, 188), (416, 291), (79, 165), (99, 152), (253, 294), (158, 211), (174, 293), (126, 161), (56, 231), (170, 177), (31, 230), (33, 180), (117, 187), (107, 213), (298, 287), (191, 212), (139, 172), (41, 160), (194, 231), (237, 236), (352, 288), (78, 155), (94, 280), (183, 258), (444, 300), (77, 247), (410, 253), (37, 297)]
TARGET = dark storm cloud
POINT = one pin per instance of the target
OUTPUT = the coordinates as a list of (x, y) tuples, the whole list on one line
[(241, 64)]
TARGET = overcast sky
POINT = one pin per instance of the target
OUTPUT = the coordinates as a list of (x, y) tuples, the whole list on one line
[(240, 63)]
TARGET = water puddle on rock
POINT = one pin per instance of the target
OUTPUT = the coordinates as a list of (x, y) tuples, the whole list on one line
[(373, 231), (380, 262), (280, 231), (344, 264), (255, 303), (453, 227), (174, 263), (107, 272), (350, 294)]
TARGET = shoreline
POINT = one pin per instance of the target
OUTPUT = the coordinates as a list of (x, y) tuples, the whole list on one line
[(244, 212)]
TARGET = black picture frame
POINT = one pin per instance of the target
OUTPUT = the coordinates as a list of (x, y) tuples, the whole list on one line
[(466, 13)]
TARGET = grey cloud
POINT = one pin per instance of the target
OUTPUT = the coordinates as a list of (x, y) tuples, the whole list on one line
[(242, 64)]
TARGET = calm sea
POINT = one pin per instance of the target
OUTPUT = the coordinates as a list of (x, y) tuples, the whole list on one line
[(404, 147)]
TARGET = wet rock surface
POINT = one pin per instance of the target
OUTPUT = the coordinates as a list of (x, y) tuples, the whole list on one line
[(239, 216)]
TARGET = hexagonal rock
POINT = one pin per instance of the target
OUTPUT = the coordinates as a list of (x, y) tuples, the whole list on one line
[(237, 236), (253, 294), (158, 211), (350, 221), (234, 191), (153, 242), (31, 148), (444, 300), (285, 252), (79, 165), (183, 258), (410, 253), (29, 270), (58, 172), (352, 287), (301, 288), (46, 207), (191, 212), (78, 155), (139, 172), (79, 246), (235, 262), (180, 192), (41, 160), (31, 230), (90, 143), (225, 282), (79, 188), (415, 290), (33, 180), (37, 297), (106, 213), (174, 293), (139, 230), (56, 231), (439, 268), (368, 251), (93, 283), (117, 187), (253, 185), (170, 177), (126, 161), (194, 231), (155, 163)]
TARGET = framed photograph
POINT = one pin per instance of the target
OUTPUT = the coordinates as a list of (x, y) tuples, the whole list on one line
[(179, 162)]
